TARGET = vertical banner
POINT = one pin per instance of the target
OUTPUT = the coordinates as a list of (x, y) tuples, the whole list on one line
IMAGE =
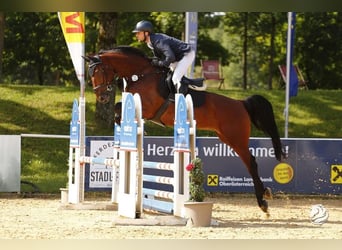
[(290, 90), (191, 26), (293, 78), (72, 24)]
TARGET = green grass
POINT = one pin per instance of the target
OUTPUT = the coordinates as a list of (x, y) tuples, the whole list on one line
[(47, 110)]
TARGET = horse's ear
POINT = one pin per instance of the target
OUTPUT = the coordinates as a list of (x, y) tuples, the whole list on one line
[(92, 59), (86, 58)]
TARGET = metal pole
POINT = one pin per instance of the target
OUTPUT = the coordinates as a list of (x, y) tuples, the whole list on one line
[(82, 104), (191, 26), (46, 136), (288, 67)]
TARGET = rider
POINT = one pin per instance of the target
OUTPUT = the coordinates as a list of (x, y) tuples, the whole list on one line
[(168, 51)]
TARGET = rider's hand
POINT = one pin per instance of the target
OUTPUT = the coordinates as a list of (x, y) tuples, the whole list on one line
[(156, 62)]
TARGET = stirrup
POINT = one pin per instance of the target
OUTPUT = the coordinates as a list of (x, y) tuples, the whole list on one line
[(171, 97)]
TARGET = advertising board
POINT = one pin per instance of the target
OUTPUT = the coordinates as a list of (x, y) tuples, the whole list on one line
[(313, 166)]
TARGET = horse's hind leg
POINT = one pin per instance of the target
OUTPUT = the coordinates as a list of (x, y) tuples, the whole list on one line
[(260, 191), (237, 136)]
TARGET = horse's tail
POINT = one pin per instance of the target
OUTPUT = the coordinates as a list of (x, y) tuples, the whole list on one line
[(261, 114)]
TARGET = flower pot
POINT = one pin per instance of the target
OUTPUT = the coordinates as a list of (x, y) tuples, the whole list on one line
[(64, 195), (198, 213)]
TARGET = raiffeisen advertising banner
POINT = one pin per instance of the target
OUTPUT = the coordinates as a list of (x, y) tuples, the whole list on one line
[(313, 166), (225, 170)]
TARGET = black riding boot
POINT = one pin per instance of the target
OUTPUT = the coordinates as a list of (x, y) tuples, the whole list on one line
[(183, 89)]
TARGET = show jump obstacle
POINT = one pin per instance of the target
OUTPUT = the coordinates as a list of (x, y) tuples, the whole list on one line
[(184, 149), (128, 143)]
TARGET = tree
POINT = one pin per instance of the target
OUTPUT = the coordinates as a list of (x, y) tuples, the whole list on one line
[(267, 30), (245, 47), (259, 46), (272, 50), (173, 24), (318, 48), (2, 34), (237, 23), (205, 50), (210, 44), (35, 50), (107, 40), (126, 24)]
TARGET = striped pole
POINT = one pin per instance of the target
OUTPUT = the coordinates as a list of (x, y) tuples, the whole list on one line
[(101, 161)]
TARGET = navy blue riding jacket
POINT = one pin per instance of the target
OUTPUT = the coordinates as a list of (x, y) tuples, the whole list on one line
[(168, 49)]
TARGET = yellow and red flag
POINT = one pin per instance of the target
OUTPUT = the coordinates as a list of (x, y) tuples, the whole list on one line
[(74, 33)]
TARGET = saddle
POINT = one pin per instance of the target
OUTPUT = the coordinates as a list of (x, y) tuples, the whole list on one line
[(186, 83)]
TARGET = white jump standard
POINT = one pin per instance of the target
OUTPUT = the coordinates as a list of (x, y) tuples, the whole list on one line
[(129, 193)]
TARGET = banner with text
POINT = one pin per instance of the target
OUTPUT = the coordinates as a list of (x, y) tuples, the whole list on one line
[(314, 166), (72, 24)]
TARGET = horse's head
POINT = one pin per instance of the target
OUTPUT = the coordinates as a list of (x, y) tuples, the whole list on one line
[(110, 67), (102, 78), (131, 70)]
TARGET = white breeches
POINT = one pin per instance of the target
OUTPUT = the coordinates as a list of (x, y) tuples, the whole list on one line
[(180, 68)]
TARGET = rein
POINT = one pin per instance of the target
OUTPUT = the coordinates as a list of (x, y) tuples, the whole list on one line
[(129, 79), (135, 77)]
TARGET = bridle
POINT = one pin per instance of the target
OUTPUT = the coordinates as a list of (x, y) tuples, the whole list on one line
[(105, 83)]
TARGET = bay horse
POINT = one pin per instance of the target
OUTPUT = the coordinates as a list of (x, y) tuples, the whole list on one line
[(230, 119)]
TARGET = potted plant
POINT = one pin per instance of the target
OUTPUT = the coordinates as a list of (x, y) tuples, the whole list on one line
[(197, 210)]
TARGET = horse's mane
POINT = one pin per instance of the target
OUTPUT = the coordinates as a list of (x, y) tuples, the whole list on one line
[(124, 49)]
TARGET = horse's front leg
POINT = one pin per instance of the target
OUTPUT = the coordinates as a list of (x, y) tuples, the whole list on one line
[(117, 113)]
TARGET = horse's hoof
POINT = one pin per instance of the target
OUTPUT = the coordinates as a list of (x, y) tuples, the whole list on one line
[(268, 193), (264, 206)]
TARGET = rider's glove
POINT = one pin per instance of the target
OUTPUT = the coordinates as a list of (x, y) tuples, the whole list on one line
[(156, 62)]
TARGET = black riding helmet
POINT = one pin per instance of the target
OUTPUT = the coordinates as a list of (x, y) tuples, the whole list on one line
[(143, 26)]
